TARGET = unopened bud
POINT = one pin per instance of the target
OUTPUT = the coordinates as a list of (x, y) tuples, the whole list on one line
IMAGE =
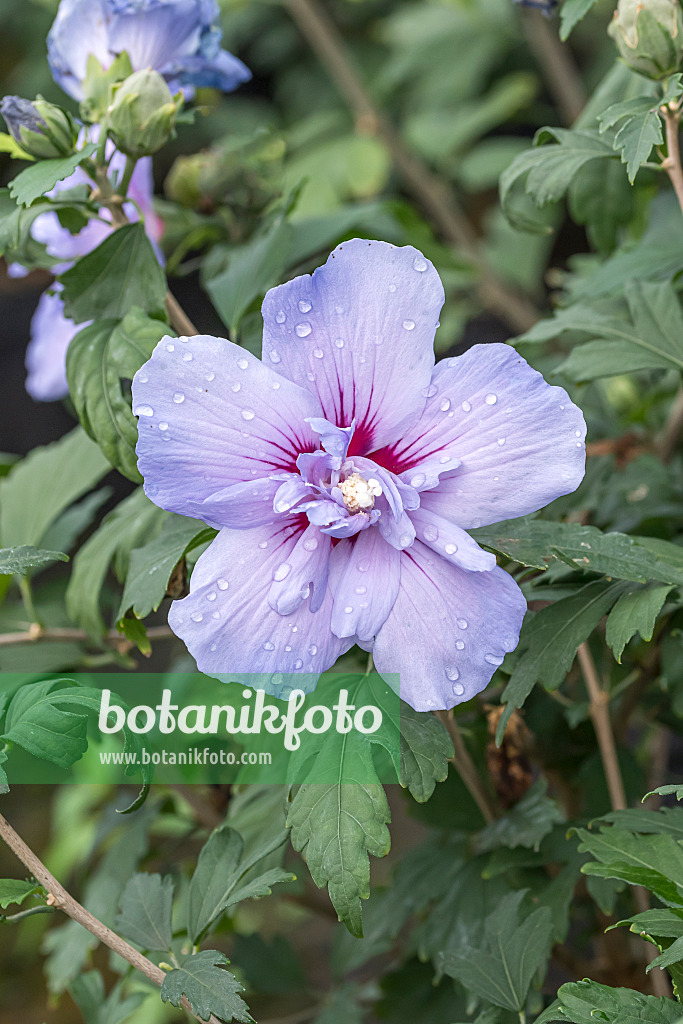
[(42, 129), (649, 36), (142, 113)]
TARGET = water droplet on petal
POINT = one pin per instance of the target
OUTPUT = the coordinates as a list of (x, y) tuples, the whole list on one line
[(310, 544), (392, 287), (417, 480), (282, 572), (466, 407), (409, 325), (196, 616), (501, 441), (445, 405), (268, 646), (313, 650), (142, 377), (420, 264), (310, 376), (462, 623), (288, 648), (450, 549), (405, 540), (460, 645), (493, 659), (339, 310), (458, 689), (303, 329), (170, 348), (361, 590), (491, 399), (210, 377), (143, 410), (243, 363), (178, 397), (304, 306), (275, 386), (222, 584), (339, 342), (578, 433), (429, 391), (452, 673), (163, 426), (213, 647), (187, 357), (298, 664), (362, 566), (248, 414), (318, 353), (274, 355), (430, 533), (211, 596), (280, 317), (444, 459), (348, 609), (235, 387)]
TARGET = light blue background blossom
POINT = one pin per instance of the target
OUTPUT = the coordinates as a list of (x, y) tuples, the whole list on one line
[(179, 38), (51, 331), (343, 471)]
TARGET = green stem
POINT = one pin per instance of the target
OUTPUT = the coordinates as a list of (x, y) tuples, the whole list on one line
[(122, 187), (27, 598)]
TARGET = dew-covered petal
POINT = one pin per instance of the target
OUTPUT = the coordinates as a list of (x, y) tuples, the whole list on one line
[(290, 493), (241, 506), (335, 440), (51, 335), (359, 333), (79, 29), (365, 573), (448, 630), (303, 575), (520, 441), (449, 541), (211, 415), (230, 628)]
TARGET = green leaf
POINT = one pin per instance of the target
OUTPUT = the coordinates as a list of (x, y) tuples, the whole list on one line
[(502, 970), (571, 13), (253, 268), (120, 273), (14, 891), (585, 1002), (419, 739), (24, 557), (635, 612), (653, 339), (662, 921), (207, 986), (541, 543), (41, 486), (87, 991), (42, 176), (215, 885), (640, 131), (99, 360), (146, 908), (546, 171), (654, 861), (526, 824), (676, 791), (8, 144), (151, 566), (132, 521), (337, 822), (550, 639)]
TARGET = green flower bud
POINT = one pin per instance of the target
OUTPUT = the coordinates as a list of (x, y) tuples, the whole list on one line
[(42, 129), (142, 113), (649, 36)]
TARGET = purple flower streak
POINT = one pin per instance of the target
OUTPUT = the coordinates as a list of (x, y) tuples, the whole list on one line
[(342, 472)]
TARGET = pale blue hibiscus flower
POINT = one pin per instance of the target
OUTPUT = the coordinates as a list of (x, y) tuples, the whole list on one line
[(342, 471), (178, 38)]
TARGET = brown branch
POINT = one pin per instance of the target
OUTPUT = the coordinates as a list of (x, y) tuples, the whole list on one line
[(427, 188), (667, 442), (37, 634), (467, 769), (600, 716), (178, 318), (62, 900), (672, 163), (555, 60)]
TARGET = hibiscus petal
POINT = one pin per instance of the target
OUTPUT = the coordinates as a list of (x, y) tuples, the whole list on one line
[(452, 543), (364, 577), (520, 441), (360, 330), (51, 335), (231, 630), (211, 415), (303, 575), (448, 630)]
